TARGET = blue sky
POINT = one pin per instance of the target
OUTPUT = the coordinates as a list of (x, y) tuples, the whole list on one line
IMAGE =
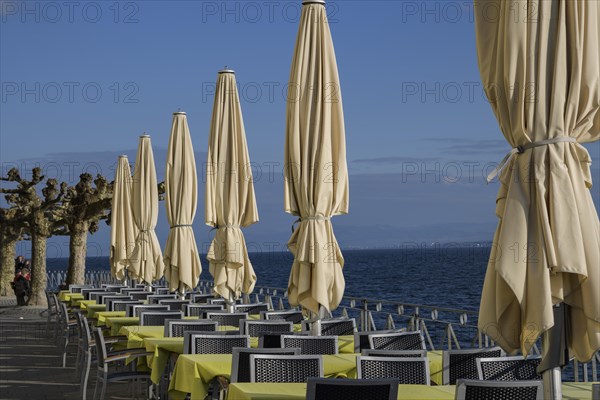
[(81, 82)]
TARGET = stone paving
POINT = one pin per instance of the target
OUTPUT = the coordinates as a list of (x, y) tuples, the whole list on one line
[(31, 361)]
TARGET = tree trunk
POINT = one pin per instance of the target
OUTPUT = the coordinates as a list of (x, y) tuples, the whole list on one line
[(7, 263), (77, 253), (38, 270)]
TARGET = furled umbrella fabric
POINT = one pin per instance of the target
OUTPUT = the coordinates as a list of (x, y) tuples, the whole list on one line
[(182, 261), (147, 261), (542, 74), (230, 201), (316, 175), (123, 230)]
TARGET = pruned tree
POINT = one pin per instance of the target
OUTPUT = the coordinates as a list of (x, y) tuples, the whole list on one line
[(84, 205), (11, 231), (41, 220)]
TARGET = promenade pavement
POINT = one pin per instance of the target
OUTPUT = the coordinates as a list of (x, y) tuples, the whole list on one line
[(31, 361)]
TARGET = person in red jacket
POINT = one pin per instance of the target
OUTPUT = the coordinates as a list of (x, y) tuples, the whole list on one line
[(22, 286)]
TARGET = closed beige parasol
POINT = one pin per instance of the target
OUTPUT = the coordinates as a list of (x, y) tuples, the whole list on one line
[(316, 175), (147, 261), (230, 201), (182, 261)]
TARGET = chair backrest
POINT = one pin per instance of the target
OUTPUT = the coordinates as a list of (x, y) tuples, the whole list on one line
[(101, 352), (338, 326), (351, 389), (134, 310), (470, 389), (395, 353), (255, 328), (285, 369), (200, 297), (78, 288), (159, 291), (157, 318), (155, 298), (84, 330), (361, 339), (240, 367), (462, 364), (225, 318), (109, 299), (397, 341), (63, 315), (255, 308), (508, 368), (217, 344), (86, 292), (311, 345), (126, 290), (177, 328), (52, 302), (293, 316), (408, 371), (112, 287), (121, 305), (200, 310), (174, 305), (139, 295), (99, 296)]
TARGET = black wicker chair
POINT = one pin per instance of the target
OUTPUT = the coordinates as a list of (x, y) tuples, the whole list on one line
[(468, 389), (311, 345), (177, 328), (157, 318), (174, 304), (200, 310), (462, 364), (121, 305), (217, 344), (408, 371), (397, 341), (256, 328), (351, 389), (225, 318), (285, 369), (240, 367), (250, 309), (509, 368), (293, 316)]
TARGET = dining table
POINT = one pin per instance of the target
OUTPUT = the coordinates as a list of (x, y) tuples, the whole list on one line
[(297, 391), (193, 373)]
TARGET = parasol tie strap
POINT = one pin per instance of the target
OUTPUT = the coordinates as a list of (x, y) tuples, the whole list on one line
[(314, 218), (522, 149), (181, 226), (217, 227)]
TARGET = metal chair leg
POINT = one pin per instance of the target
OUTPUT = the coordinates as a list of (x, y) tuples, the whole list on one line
[(96, 386), (86, 374), (103, 391)]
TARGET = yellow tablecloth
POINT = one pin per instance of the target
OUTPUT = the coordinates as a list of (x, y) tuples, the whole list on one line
[(163, 348), (92, 309), (194, 372), (82, 304), (62, 293), (578, 390), (435, 367), (293, 391), (102, 315), (116, 323), (67, 296)]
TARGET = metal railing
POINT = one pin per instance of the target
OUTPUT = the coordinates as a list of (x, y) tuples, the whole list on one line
[(443, 328)]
